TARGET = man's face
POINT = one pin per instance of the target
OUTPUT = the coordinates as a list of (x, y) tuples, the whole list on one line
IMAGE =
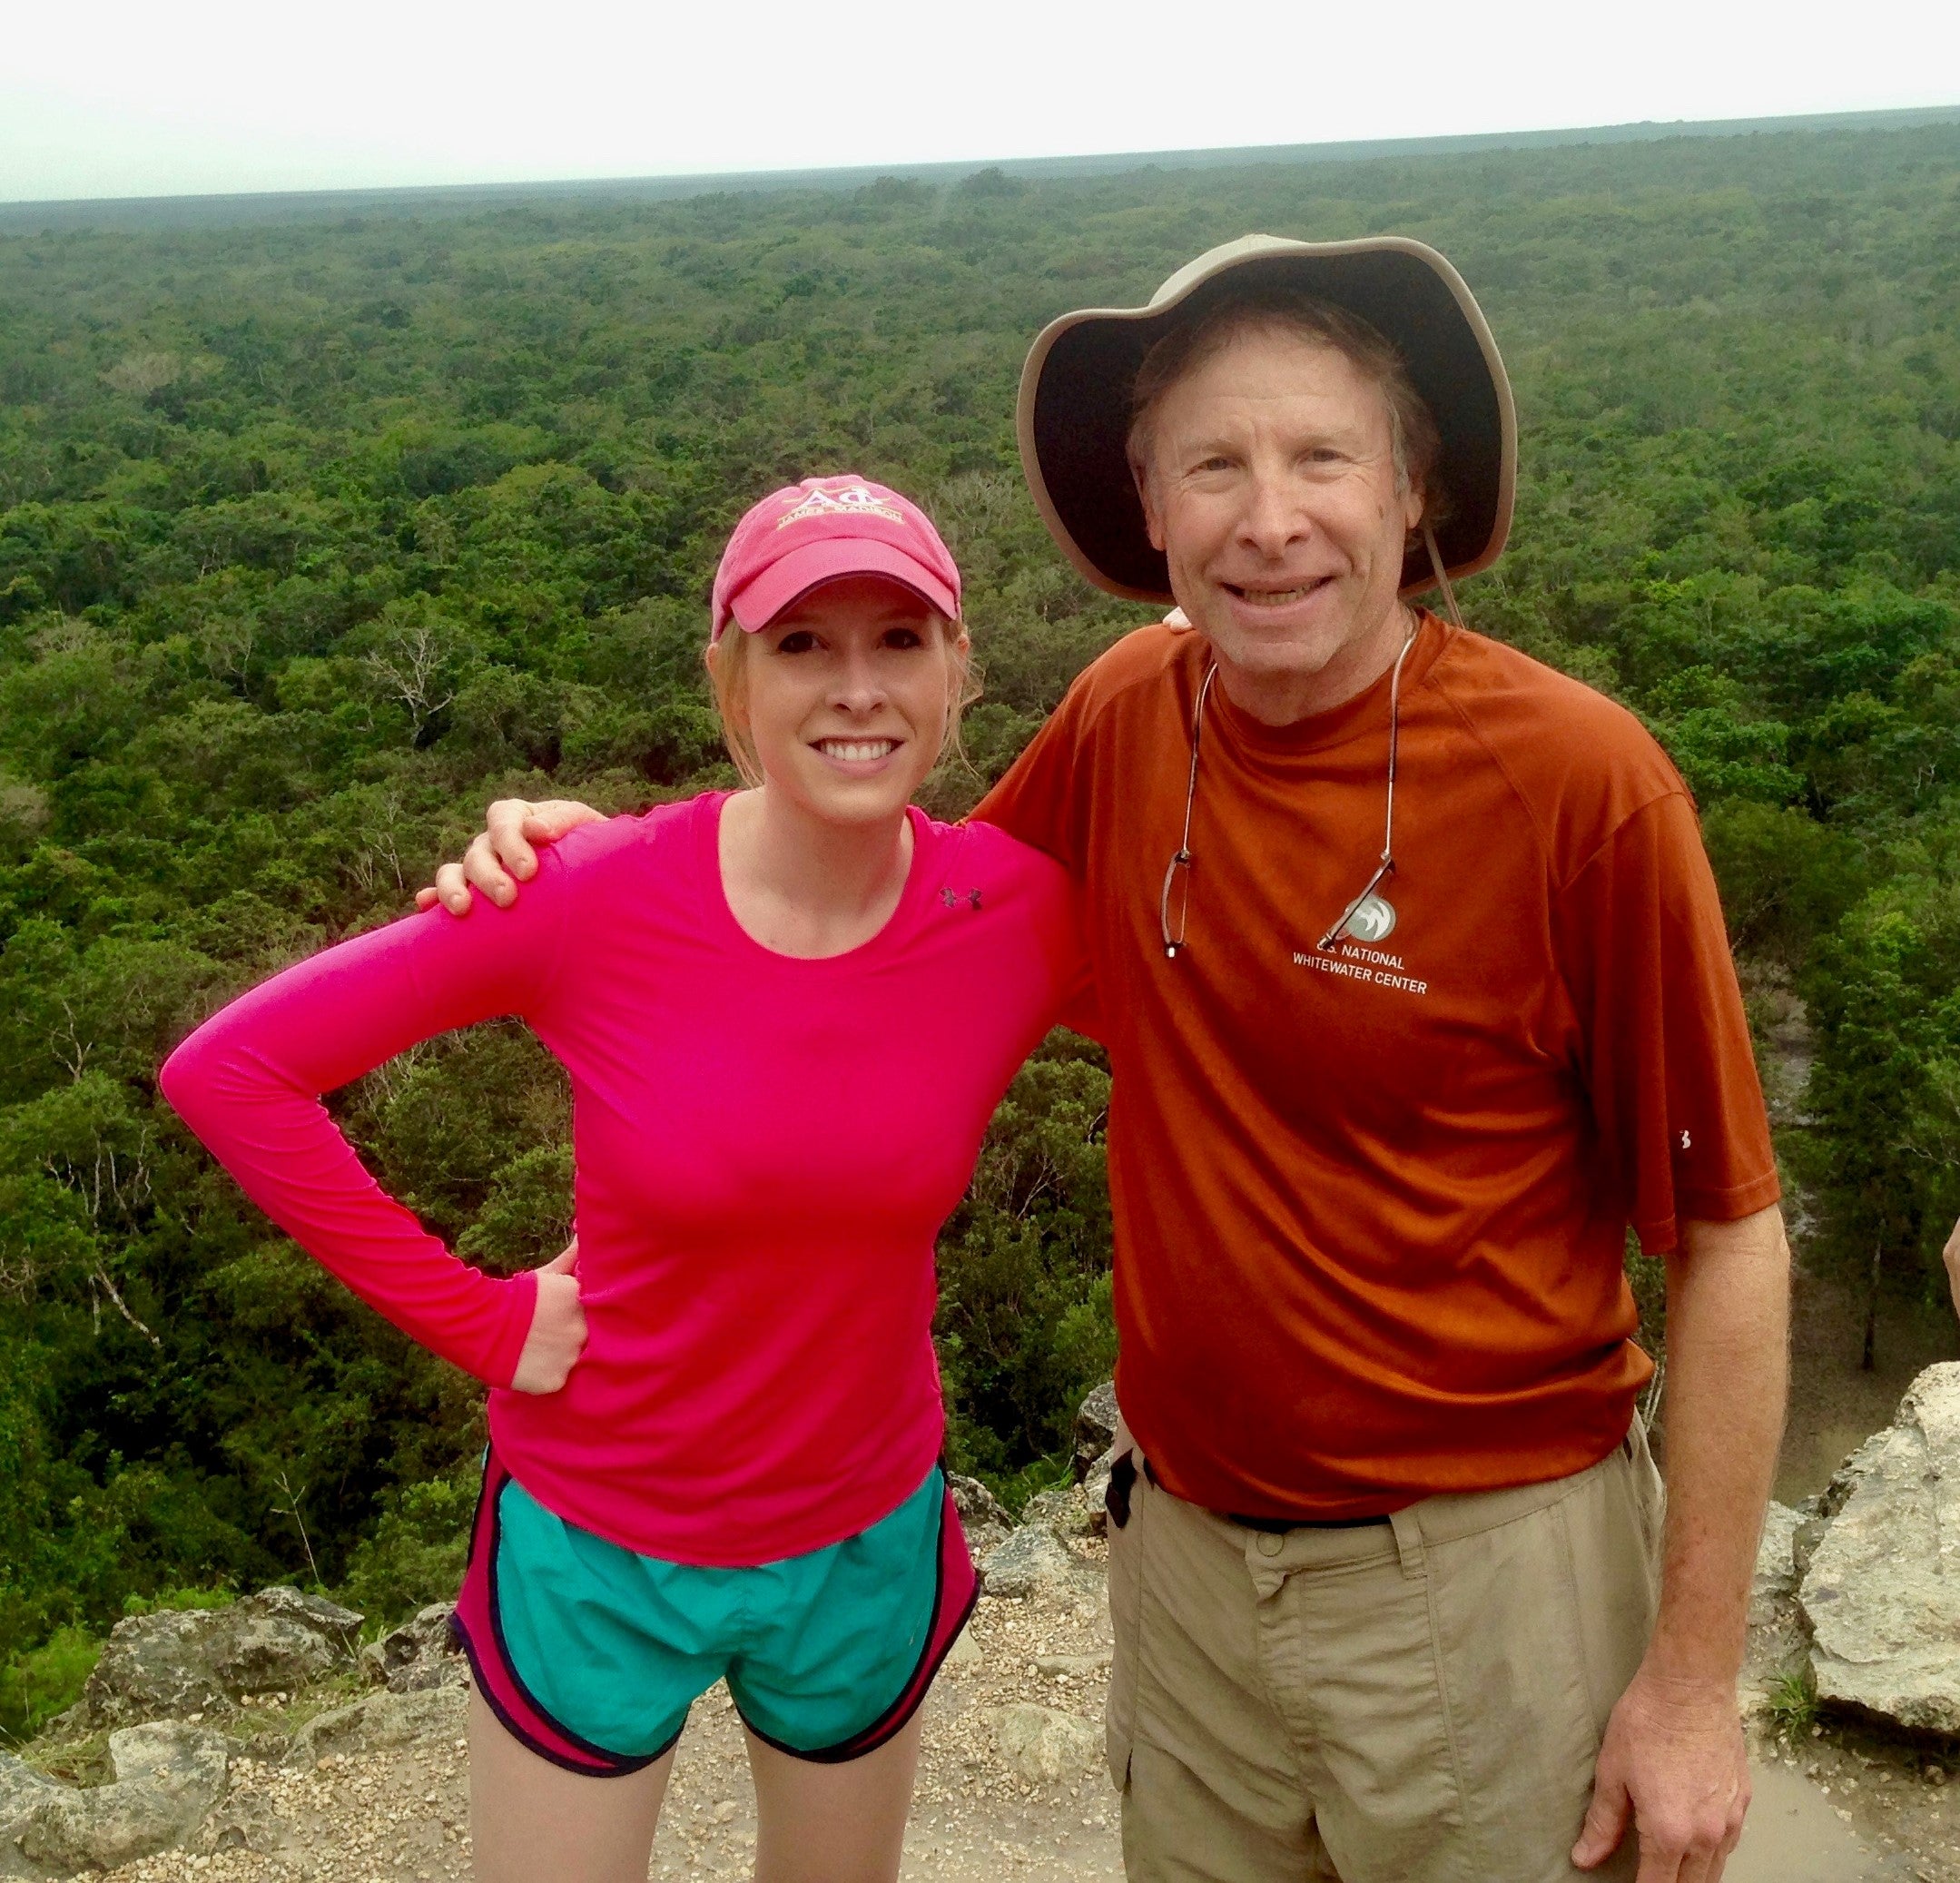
[(1271, 490)]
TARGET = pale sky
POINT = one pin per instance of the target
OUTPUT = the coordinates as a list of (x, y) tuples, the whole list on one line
[(111, 98)]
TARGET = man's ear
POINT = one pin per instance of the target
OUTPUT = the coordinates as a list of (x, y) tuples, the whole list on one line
[(1414, 503), (1153, 523)]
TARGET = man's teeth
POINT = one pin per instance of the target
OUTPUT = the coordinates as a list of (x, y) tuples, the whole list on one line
[(857, 751), (1277, 597)]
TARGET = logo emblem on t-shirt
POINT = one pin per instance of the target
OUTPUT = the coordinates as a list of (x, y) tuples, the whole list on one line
[(954, 898), (1373, 919)]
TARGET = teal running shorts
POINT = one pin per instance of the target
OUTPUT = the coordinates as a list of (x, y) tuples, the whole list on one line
[(591, 1654)]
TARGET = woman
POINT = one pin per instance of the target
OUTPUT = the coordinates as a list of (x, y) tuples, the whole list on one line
[(787, 1014)]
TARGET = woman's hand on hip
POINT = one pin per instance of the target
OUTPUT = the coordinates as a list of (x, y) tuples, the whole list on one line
[(558, 1334)]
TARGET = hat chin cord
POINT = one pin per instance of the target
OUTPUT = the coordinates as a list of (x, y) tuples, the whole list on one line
[(1442, 578)]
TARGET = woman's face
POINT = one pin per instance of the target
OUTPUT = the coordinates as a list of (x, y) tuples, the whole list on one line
[(849, 694)]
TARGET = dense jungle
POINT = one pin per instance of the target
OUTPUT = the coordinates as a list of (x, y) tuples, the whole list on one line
[(316, 534)]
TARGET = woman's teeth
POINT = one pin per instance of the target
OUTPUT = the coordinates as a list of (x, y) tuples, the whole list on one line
[(857, 751)]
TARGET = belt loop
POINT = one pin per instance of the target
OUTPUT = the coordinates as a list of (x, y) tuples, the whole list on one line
[(1408, 1541)]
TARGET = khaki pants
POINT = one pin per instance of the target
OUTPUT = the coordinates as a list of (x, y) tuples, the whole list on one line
[(1419, 1700)]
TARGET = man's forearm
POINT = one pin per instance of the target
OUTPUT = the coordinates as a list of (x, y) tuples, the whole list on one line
[(1728, 1371)]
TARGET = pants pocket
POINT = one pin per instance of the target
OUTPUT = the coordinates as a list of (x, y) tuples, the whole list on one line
[(1532, 1644)]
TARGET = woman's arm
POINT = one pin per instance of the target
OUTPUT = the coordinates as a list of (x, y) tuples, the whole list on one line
[(249, 1083)]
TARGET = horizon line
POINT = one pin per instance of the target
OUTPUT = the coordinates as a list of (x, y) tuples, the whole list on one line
[(256, 205)]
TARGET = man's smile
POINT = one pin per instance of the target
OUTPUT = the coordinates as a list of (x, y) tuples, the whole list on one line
[(1267, 597)]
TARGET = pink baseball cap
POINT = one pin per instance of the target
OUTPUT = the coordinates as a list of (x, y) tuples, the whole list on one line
[(814, 532)]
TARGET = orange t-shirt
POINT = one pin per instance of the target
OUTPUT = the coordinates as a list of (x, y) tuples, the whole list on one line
[(1371, 1205)]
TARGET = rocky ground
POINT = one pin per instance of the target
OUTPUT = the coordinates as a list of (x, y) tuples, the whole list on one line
[(1839, 1807), (1011, 1779), (256, 1745)]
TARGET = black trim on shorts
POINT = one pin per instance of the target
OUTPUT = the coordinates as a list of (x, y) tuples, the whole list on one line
[(918, 1684), (618, 1765)]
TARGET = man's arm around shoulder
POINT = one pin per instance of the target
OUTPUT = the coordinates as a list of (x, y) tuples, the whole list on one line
[(501, 854)]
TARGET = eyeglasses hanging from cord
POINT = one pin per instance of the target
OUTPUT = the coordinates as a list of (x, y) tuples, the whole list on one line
[(1178, 871)]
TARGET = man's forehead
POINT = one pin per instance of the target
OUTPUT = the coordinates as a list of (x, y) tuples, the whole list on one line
[(1272, 362), (1313, 388)]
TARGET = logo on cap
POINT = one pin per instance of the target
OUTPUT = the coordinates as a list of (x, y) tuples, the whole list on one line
[(853, 500)]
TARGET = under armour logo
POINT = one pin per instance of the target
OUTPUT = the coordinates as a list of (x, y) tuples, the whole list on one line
[(952, 898)]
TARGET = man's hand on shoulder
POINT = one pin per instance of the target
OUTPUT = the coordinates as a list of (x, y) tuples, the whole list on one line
[(500, 855), (1673, 1768)]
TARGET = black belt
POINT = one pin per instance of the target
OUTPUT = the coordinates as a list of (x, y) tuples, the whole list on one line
[(1122, 1475), (1278, 1526)]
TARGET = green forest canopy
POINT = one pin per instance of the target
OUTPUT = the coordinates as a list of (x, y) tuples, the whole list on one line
[(314, 535)]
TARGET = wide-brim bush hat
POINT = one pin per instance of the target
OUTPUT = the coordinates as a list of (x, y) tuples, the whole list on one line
[(1074, 412), (822, 530)]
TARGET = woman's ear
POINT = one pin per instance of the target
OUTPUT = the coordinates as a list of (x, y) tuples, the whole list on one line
[(725, 677)]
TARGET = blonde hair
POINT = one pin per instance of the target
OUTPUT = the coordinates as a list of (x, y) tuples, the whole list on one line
[(728, 673)]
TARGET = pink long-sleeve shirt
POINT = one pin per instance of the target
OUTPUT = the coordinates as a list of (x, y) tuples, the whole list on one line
[(765, 1149)]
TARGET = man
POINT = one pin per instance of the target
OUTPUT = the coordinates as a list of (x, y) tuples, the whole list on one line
[(1416, 996)]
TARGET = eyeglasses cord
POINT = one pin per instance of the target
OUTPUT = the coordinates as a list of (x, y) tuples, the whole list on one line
[(1386, 866)]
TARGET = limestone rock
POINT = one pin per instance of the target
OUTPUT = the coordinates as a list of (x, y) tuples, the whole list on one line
[(1034, 1564), (1814, 1518), (982, 1515), (419, 1655), (20, 1785), (1096, 1489), (21, 1789), (1777, 1645), (168, 1776), (1095, 1428), (283, 1637), (248, 1823), (381, 1721), (1065, 1510), (191, 1661), (1881, 1595), (1041, 1745), (976, 1503), (1775, 1581)]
